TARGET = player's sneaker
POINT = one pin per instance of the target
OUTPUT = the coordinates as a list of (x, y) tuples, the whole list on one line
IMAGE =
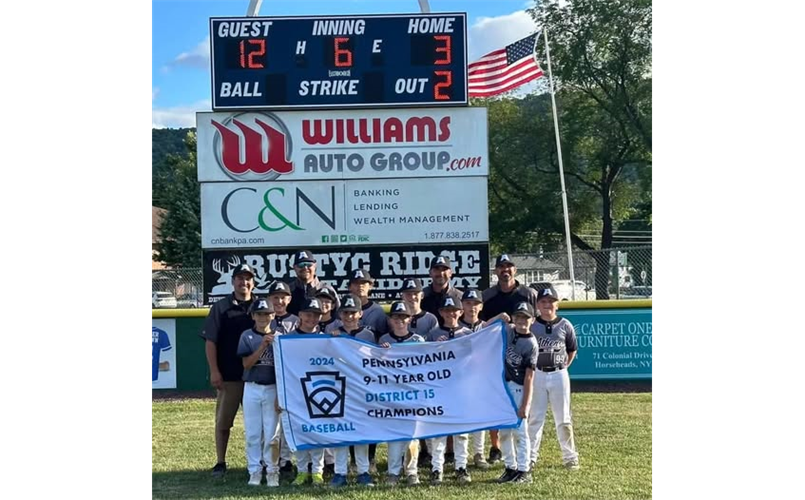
[(495, 455), (480, 462), (219, 470), (392, 479), (272, 479), (522, 478), (507, 475), (317, 478), (338, 480), (463, 477), (572, 464), (364, 479), (436, 478), (255, 478), (412, 480)]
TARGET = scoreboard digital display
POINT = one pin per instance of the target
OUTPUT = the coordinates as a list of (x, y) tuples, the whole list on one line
[(339, 61)]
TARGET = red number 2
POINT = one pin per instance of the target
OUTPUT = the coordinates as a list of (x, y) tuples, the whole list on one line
[(448, 81), (261, 51)]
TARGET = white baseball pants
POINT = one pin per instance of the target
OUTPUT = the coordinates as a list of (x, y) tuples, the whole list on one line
[(342, 459), (261, 423), (399, 457), (553, 387), (514, 443), (315, 456)]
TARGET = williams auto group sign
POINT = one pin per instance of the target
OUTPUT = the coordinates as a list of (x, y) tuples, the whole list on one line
[(344, 144)]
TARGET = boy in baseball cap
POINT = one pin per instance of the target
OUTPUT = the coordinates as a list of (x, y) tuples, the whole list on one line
[(279, 293), (349, 314), (520, 363), (557, 340), (360, 284), (401, 453), (421, 321), (450, 311), (260, 415), (309, 316)]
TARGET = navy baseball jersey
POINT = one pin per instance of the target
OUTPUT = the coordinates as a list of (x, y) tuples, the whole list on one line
[(521, 354), (160, 342), (555, 339), (262, 371)]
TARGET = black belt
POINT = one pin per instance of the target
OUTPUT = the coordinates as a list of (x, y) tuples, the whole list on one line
[(548, 370), (263, 383)]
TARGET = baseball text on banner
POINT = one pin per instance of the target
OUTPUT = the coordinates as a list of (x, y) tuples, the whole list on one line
[(337, 391)]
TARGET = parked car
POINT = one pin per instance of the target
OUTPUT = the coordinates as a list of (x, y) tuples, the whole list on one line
[(189, 301), (163, 300), (637, 292), (563, 289)]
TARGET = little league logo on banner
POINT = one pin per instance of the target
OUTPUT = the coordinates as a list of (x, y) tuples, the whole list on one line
[(338, 391)]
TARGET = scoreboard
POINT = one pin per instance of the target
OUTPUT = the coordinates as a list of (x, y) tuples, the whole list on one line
[(339, 61)]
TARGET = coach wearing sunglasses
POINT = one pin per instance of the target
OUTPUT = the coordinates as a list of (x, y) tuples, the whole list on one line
[(306, 282)]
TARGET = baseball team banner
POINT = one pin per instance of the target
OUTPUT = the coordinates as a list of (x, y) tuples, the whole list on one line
[(338, 391)]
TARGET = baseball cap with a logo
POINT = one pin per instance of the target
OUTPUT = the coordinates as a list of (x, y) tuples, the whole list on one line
[(350, 303), (549, 292), (243, 269), (472, 296), (305, 257), (411, 285), (399, 308), (504, 260), (279, 287), (261, 305), (449, 302), (326, 292), (360, 275), (441, 261), (523, 308), (311, 305)]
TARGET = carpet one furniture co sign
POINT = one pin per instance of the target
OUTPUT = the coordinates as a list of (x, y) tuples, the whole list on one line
[(362, 177)]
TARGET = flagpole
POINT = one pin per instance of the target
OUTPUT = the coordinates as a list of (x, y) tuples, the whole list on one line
[(561, 169)]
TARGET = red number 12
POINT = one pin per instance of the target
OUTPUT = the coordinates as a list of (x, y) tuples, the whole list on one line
[(261, 51)]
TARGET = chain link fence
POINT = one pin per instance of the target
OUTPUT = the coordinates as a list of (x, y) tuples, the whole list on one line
[(185, 285), (615, 273), (622, 273)]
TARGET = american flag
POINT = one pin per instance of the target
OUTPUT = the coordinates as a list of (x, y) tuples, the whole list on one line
[(504, 69)]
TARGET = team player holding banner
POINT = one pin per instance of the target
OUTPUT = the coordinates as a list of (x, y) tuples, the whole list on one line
[(337, 391)]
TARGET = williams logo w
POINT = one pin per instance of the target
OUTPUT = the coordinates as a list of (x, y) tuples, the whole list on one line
[(324, 394)]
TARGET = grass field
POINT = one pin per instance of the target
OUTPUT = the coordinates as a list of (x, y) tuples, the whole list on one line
[(613, 437)]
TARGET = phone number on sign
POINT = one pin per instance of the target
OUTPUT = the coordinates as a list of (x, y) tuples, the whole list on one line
[(454, 235)]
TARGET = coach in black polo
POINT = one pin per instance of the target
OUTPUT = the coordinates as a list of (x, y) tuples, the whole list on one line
[(441, 273), (305, 285), (228, 318), (502, 297)]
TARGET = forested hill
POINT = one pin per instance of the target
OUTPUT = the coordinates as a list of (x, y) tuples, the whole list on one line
[(164, 142)]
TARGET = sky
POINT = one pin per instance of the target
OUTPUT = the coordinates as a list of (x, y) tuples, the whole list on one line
[(180, 63)]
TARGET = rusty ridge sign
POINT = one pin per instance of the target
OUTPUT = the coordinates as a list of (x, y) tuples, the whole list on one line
[(388, 265)]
